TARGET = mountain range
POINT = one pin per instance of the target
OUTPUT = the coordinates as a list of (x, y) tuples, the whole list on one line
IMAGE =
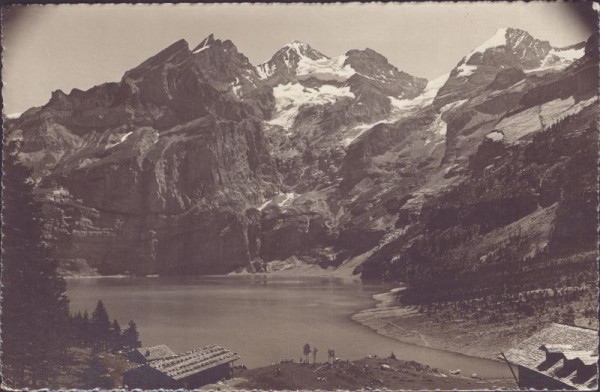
[(199, 162)]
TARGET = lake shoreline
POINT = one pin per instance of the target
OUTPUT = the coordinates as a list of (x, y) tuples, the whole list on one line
[(406, 324)]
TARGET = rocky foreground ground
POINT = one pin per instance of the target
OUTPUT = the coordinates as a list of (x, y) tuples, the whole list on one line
[(367, 373), (104, 370)]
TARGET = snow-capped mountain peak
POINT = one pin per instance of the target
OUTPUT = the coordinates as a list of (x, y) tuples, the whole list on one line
[(509, 37), (286, 61), (505, 36), (498, 39), (302, 48), (508, 47), (505, 53)]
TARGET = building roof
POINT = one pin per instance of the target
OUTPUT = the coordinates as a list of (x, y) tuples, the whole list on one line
[(569, 344), (155, 352), (183, 365), (557, 348), (584, 356)]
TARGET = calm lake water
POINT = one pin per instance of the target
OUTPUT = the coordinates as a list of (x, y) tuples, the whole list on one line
[(263, 319)]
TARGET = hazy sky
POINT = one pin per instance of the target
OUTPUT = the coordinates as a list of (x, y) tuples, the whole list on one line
[(66, 46)]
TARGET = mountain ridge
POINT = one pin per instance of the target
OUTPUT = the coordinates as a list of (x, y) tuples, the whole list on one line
[(197, 161)]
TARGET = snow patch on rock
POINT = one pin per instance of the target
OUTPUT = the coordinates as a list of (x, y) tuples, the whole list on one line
[(558, 59), (124, 137), (324, 69), (432, 88), (495, 136), (113, 141), (13, 116), (466, 70), (402, 106), (438, 127), (265, 70), (288, 199), (498, 39), (236, 88), (289, 98), (201, 49), (357, 131), (281, 199), (569, 55), (452, 105)]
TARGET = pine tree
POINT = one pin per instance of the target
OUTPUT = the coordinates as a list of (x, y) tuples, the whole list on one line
[(115, 336), (131, 337), (75, 326), (34, 306), (85, 328), (100, 326)]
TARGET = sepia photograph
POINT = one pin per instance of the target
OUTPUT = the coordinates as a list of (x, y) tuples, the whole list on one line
[(348, 196)]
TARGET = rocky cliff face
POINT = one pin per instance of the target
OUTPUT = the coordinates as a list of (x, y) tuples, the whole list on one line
[(199, 162), (159, 168)]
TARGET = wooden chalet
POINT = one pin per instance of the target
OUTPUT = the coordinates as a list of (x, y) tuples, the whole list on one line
[(189, 370), (557, 357), (147, 354)]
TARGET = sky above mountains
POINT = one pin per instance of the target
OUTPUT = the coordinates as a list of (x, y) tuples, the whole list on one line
[(78, 46)]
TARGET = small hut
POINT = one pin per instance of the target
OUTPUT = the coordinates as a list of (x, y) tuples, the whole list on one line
[(189, 370), (557, 357)]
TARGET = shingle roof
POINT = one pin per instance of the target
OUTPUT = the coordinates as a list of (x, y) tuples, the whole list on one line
[(155, 352), (569, 343), (557, 348), (191, 362), (584, 356)]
